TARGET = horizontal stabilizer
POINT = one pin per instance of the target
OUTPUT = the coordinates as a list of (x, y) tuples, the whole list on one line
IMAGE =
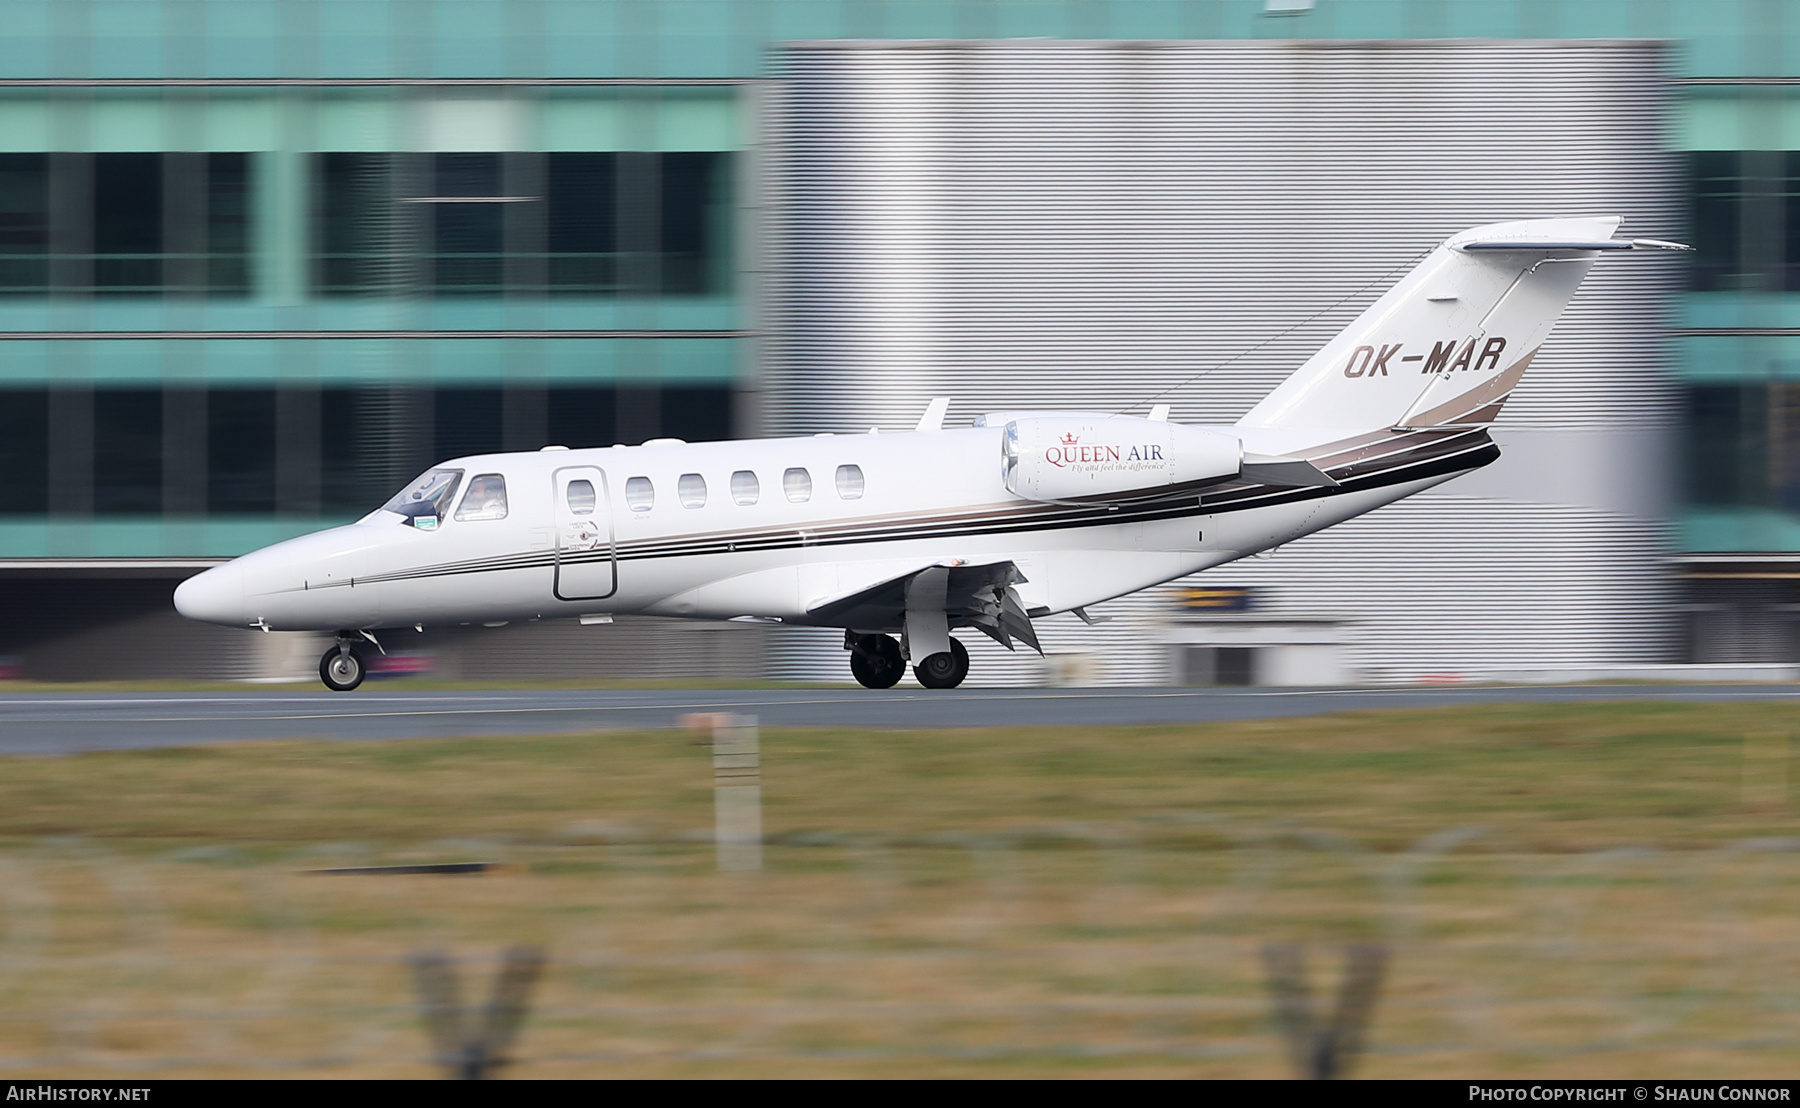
[(1570, 244), (1270, 469)]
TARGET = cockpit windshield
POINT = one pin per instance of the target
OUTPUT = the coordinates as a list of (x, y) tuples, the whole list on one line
[(425, 502)]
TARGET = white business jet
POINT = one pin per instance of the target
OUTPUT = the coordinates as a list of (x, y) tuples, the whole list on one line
[(901, 539)]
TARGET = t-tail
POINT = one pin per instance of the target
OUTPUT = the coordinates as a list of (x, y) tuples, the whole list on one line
[(1447, 345)]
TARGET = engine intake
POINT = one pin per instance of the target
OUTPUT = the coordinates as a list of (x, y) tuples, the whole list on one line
[(1085, 459)]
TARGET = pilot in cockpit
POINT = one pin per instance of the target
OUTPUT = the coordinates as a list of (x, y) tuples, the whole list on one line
[(486, 498)]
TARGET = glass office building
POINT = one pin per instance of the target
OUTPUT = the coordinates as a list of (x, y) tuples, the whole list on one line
[(263, 260)]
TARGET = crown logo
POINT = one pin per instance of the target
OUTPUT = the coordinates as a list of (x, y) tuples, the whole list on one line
[(1071, 440)]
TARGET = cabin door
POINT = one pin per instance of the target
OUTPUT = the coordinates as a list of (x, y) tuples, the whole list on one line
[(587, 561)]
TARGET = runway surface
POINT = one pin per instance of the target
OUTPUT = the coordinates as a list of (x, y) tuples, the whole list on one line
[(67, 723)]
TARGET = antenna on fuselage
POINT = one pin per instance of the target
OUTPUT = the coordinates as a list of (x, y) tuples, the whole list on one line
[(1308, 321), (933, 419)]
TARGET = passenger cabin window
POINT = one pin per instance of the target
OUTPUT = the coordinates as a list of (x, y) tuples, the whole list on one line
[(581, 498), (850, 482), (640, 495), (425, 501), (486, 498), (797, 484), (691, 490), (744, 488)]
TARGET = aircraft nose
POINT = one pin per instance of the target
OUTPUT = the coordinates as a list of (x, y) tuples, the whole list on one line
[(216, 596)]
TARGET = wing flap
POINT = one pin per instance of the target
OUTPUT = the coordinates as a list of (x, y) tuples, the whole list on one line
[(978, 596)]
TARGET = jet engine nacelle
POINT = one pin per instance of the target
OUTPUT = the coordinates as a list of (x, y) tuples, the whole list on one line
[(1098, 459)]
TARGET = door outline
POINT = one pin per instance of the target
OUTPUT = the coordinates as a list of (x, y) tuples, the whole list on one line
[(561, 514)]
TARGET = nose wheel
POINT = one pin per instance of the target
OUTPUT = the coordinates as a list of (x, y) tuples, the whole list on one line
[(945, 670), (342, 669), (875, 660)]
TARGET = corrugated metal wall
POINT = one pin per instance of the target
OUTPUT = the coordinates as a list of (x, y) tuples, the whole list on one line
[(1020, 224)]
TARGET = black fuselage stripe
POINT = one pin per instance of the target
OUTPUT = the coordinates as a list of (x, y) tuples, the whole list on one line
[(1048, 516), (1472, 457)]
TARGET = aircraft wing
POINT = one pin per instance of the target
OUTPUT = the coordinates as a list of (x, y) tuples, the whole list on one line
[(979, 596)]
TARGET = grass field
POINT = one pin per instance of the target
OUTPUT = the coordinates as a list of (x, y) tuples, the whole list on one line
[(1564, 890)]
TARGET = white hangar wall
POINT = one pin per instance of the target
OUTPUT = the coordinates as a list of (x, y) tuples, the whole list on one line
[(1088, 225)]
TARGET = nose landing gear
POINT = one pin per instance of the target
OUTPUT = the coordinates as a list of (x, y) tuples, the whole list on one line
[(945, 670), (342, 668)]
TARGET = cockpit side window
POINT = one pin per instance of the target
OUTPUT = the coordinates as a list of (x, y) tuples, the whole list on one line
[(486, 498), (425, 501)]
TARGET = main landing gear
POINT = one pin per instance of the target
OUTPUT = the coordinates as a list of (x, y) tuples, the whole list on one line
[(945, 670), (876, 662), (342, 668)]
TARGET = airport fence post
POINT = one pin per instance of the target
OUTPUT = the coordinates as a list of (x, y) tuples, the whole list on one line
[(469, 1049), (1321, 1049), (737, 793)]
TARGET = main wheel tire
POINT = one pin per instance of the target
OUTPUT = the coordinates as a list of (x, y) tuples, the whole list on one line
[(342, 670), (946, 670), (876, 662)]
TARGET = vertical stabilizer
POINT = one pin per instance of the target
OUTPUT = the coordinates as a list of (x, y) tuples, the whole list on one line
[(1450, 341)]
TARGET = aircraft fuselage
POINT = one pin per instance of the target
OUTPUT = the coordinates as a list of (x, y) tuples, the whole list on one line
[(703, 549)]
